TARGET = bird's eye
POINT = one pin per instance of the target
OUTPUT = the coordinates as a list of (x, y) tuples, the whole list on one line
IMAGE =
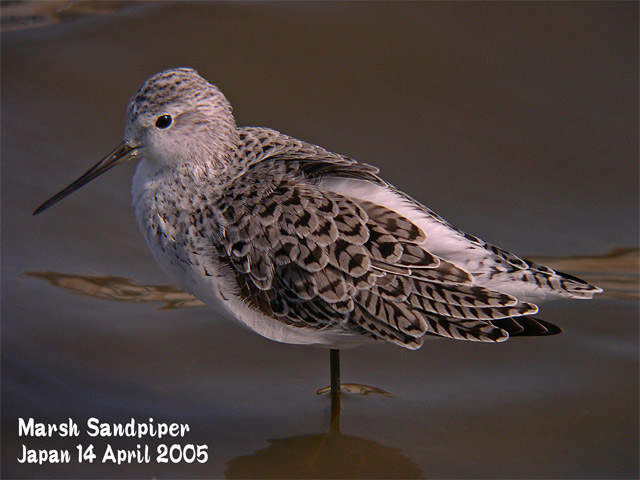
[(163, 121)]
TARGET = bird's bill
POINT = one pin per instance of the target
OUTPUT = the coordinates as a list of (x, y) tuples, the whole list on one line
[(122, 153)]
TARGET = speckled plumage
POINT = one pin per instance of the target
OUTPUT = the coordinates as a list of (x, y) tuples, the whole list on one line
[(307, 246)]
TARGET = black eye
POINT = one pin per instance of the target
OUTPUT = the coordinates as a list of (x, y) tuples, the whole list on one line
[(163, 121)]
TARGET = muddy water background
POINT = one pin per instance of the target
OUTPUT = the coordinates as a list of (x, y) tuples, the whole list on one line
[(516, 122)]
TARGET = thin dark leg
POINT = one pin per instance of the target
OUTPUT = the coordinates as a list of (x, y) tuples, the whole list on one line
[(335, 371), (335, 388)]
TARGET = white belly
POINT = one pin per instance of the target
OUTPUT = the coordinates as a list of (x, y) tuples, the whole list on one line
[(218, 292), (202, 275)]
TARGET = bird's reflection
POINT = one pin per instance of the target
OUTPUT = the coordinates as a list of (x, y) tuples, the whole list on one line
[(328, 455), (335, 454)]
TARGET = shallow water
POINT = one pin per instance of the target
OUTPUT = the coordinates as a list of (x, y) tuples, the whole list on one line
[(516, 122)]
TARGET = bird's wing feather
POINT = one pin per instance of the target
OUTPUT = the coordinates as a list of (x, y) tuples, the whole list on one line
[(311, 257)]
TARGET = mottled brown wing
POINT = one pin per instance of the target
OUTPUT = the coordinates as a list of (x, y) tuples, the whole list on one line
[(314, 258)]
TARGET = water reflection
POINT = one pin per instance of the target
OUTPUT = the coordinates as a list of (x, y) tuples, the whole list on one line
[(616, 272), (330, 455), (20, 15), (119, 288), (357, 389)]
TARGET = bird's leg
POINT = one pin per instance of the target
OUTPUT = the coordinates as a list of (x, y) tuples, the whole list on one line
[(335, 370), (335, 388)]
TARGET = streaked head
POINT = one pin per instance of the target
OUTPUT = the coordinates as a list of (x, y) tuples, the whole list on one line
[(176, 117)]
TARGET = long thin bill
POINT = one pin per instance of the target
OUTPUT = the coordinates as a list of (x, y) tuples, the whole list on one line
[(122, 153)]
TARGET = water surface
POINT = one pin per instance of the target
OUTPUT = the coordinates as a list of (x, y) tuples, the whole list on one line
[(517, 122)]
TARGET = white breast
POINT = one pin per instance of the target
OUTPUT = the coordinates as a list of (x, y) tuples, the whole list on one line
[(203, 276)]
